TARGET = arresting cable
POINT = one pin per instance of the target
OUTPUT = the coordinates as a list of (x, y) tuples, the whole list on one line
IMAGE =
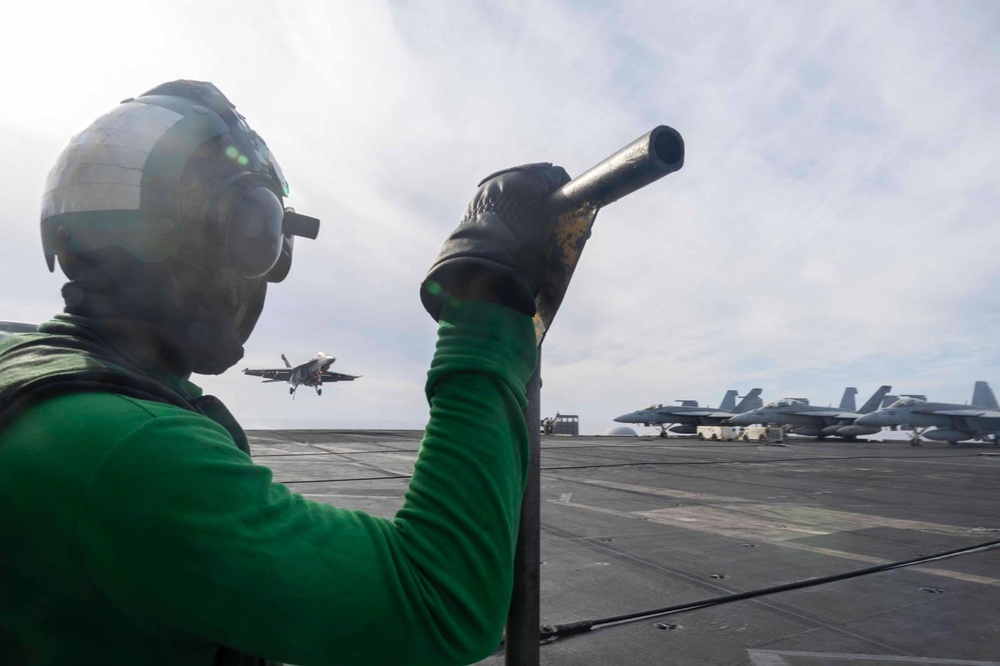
[(552, 632)]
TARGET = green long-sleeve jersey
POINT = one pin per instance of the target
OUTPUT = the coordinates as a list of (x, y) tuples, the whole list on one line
[(134, 531)]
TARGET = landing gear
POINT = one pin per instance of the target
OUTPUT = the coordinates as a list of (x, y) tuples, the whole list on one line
[(915, 439)]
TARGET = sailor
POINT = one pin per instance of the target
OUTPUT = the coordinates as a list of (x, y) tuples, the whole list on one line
[(134, 527)]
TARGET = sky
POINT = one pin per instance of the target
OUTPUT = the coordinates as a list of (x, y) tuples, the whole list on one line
[(835, 223)]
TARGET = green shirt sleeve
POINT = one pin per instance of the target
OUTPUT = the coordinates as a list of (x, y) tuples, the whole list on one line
[(183, 533)]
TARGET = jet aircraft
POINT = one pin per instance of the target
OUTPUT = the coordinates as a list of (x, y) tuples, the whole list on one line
[(951, 423), (813, 420), (687, 416), (311, 373)]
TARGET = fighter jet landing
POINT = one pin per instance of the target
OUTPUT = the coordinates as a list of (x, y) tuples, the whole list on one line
[(312, 373)]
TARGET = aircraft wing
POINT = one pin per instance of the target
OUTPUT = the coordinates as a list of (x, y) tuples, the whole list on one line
[(271, 374), (712, 414), (830, 414), (963, 412), (670, 412), (328, 376)]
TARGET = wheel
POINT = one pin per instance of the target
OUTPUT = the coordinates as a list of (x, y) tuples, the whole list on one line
[(291, 390), (319, 391), (762, 439), (746, 438), (701, 436), (715, 438)]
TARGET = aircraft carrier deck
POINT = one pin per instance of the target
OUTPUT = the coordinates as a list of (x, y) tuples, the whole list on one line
[(630, 525)]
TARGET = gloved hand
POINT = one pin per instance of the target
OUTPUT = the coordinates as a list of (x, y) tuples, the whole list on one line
[(496, 253)]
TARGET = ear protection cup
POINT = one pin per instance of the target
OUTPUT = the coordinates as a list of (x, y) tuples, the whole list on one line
[(247, 225)]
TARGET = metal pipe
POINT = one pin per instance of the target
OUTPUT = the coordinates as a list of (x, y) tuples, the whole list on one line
[(521, 645), (649, 158), (572, 209)]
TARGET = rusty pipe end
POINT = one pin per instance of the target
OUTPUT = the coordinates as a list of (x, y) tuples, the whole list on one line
[(650, 157)]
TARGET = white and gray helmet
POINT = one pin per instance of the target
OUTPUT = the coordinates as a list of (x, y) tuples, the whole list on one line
[(117, 184)]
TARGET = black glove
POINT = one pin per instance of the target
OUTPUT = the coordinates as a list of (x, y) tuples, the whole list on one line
[(496, 253)]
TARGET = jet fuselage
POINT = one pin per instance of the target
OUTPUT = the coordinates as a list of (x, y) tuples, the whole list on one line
[(309, 372)]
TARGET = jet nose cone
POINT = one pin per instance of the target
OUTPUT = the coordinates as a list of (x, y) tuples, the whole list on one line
[(873, 419), (624, 418)]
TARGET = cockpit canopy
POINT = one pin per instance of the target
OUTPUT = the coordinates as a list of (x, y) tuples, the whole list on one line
[(786, 402), (906, 402)]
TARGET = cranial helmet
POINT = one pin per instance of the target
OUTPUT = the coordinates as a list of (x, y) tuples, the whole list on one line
[(119, 183)]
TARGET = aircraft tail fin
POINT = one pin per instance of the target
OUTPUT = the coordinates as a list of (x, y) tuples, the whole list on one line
[(728, 403), (750, 401), (287, 364), (847, 402), (982, 396), (877, 400)]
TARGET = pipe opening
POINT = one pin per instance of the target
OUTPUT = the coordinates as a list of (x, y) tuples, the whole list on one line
[(668, 147)]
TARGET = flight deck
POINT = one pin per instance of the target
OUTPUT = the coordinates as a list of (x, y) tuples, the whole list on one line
[(632, 524)]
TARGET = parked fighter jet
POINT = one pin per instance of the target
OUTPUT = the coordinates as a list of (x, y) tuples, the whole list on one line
[(311, 373), (813, 420), (688, 415), (951, 423)]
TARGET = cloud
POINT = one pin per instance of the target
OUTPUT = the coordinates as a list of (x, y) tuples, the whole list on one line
[(834, 223)]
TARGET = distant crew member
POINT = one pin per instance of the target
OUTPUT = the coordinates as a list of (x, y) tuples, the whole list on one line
[(134, 527)]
